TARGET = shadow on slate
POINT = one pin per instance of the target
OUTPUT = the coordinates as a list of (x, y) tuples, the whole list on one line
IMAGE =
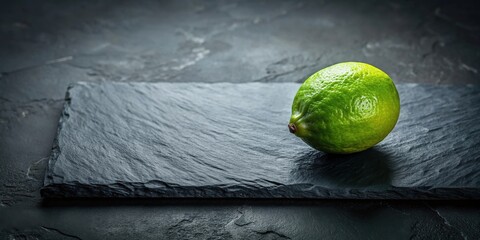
[(360, 170), (231, 140)]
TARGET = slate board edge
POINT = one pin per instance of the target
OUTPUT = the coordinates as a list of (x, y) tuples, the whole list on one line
[(56, 147), (306, 191)]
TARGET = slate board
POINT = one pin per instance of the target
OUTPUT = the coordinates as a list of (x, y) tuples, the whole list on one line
[(227, 140)]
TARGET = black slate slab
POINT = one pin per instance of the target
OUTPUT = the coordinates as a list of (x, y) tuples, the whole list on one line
[(232, 140)]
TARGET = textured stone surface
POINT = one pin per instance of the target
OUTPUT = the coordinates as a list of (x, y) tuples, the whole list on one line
[(46, 45), (231, 140)]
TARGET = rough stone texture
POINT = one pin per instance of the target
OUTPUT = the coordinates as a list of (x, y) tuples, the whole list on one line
[(47, 45), (231, 140)]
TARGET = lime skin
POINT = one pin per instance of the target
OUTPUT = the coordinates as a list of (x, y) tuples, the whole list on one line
[(345, 108)]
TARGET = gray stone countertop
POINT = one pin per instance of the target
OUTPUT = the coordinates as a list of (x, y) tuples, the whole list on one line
[(45, 46)]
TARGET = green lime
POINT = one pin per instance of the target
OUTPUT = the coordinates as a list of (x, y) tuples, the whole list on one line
[(345, 108)]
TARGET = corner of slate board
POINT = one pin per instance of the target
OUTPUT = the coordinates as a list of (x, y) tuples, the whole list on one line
[(432, 153), (49, 188)]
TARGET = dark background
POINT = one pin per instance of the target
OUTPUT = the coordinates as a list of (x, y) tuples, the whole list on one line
[(46, 45)]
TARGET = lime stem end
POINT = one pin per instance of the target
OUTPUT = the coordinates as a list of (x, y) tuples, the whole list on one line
[(292, 128)]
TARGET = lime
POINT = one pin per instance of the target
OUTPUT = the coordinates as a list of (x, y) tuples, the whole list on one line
[(345, 108)]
